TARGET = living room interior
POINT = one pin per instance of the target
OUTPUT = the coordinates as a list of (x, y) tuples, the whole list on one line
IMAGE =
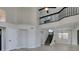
[(39, 28)]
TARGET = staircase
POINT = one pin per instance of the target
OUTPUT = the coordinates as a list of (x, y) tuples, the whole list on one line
[(49, 39), (63, 13)]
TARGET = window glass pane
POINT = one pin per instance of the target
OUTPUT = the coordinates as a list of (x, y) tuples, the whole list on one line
[(63, 35)]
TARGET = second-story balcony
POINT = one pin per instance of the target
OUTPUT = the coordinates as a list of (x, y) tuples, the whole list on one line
[(57, 15)]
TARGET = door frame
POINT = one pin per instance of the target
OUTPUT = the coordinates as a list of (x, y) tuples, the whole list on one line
[(77, 37), (3, 38)]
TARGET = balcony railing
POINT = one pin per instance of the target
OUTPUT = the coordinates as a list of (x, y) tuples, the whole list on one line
[(63, 13)]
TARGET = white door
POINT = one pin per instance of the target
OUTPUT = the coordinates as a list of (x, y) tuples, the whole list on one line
[(11, 38)]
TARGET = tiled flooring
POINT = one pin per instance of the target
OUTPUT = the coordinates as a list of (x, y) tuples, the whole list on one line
[(56, 47)]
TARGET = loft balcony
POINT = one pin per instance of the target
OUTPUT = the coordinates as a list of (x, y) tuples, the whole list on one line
[(57, 15)]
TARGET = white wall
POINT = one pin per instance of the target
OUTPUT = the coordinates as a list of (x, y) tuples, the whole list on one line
[(11, 14), (11, 38), (74, 37), (22, 39), (27, 15), (21, 15), (28, 37), (38, 38), (17, 17), (44, 35), (63, 41)]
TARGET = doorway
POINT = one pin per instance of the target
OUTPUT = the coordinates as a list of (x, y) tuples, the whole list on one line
[(78, 37)]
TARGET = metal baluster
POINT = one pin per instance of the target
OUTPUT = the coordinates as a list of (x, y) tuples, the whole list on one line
[(55, 17), (70, 11), (52, 17), (60, 15), (63, 14), (66, 12), (78, 10), (75, 13)]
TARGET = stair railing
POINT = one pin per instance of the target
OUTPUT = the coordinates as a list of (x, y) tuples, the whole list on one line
[(63, 13)]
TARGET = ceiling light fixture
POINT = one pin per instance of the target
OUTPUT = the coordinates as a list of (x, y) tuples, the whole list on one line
[(46, 9)]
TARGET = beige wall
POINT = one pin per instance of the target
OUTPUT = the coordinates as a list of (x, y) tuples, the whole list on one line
[(27, 16), (11, 14), (21, 15)]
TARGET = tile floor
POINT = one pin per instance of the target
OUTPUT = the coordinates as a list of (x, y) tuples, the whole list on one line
[(56, 47)]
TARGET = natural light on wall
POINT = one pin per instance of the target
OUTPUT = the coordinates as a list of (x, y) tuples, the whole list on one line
[(2, 16), (63, 35)]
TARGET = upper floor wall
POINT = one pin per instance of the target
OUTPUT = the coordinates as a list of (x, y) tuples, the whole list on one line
[(27, 15), (21, 15)]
